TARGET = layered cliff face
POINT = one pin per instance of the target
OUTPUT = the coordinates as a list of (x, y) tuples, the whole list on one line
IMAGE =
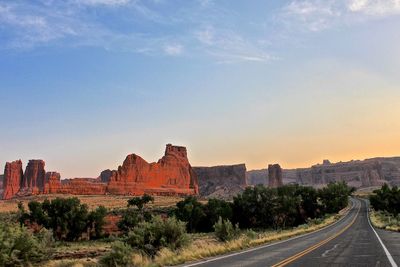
[(12, 178), (34, 177), (366, 173), (52, 183), (221, 181), (171, 175), (274, 175)]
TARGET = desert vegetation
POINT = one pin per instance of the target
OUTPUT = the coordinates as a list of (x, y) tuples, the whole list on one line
[(386, 208), (191, 230)]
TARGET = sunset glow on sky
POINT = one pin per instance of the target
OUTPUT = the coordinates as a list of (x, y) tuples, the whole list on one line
[(83, 83)]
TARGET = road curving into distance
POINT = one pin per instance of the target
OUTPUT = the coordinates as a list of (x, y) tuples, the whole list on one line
[(351, 241)]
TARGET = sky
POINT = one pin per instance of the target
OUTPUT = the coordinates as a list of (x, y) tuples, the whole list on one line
[(83, 83)]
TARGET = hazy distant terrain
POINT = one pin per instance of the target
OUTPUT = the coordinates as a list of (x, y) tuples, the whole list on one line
[(357, 173)]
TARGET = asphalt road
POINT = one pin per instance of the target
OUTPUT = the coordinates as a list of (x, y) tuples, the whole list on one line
[(349, 242)]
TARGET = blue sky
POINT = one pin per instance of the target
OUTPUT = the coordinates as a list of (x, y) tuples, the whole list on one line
[(85, 82)]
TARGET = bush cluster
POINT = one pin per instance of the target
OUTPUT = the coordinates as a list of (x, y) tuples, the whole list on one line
[(150, 237), (66, 217), (225, 231), (386, 199), (19, 247), (136, 213)]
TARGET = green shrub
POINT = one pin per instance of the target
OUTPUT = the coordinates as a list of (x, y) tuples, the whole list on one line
[(386, 199), (120, 255), (151, 236), (19, 247), (225, 231), (67, 217), (135, 213)]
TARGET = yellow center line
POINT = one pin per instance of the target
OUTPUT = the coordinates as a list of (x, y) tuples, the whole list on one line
[(312, 248)]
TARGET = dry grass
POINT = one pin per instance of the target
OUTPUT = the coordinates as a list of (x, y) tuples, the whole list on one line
[(386, 221), (205, 246), (93, 201)]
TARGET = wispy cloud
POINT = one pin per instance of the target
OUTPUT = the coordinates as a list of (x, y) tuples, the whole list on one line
[(228, 46), (173, 49), (317, 15), (375, 7), (103, 2)]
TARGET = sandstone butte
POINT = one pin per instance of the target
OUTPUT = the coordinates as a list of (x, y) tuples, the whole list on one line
[(275, 175), (171, 175)]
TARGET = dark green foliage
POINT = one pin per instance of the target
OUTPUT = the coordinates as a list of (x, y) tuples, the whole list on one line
[(96, 222), (151, 236), (386, 199), (288, 205), (255, 207), (190, 210), (135, 213), (67, 217), (334, 197), (120, 255), (19, 247), (225, 231), (140, 202), (215, 209)]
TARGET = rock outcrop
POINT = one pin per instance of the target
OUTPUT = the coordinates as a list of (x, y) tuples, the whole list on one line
[(221, 181), (171, 175), (105, 176), (52, 183), (34, 177), (13, 174), (274, 175)]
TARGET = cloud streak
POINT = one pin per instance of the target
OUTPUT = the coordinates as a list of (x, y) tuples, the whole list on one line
[(318, 15)]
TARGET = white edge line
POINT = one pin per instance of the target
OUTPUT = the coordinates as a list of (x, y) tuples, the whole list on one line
[(388, 255), (269, 245)]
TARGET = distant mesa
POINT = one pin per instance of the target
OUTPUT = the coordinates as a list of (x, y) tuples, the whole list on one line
[(221, 181), (171, 175)]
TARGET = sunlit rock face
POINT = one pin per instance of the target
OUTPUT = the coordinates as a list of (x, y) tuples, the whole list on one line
[(34, 177), (275, 175), (171, 175), (221, 181), (52, 183), (13, 174)]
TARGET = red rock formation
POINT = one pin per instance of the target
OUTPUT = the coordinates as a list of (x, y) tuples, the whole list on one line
[(82, 186), (34, 177), (52, 183), (171, 175), (12, 178), (274, 175)]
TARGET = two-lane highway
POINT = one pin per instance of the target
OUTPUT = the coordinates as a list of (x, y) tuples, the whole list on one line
[(349, 242)]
